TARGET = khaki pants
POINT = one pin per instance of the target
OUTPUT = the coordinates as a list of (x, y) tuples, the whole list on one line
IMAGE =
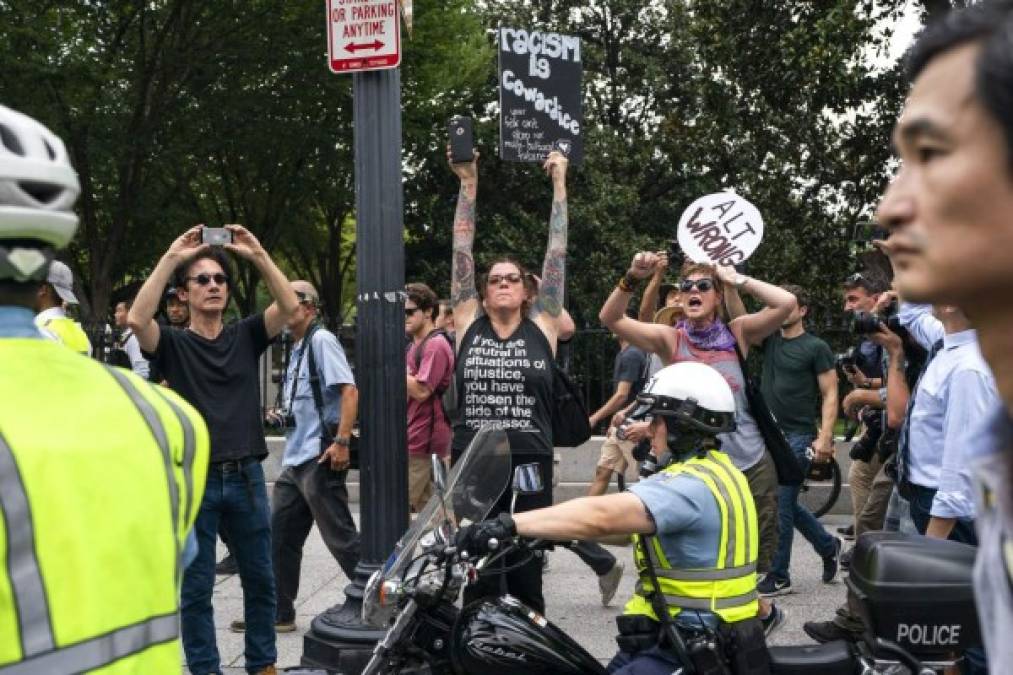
[(420, 481), (762, 478), (617, 457), (870, 494)]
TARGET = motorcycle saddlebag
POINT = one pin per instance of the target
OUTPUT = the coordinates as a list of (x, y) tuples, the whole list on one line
[(915, 591)]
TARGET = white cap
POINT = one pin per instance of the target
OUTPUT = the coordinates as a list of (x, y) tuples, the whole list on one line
[(62, 279)]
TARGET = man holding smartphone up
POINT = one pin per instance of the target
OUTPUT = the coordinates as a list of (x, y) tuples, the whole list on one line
[(214, 367)]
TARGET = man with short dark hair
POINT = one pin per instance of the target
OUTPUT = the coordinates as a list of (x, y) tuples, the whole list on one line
[(215, 367), (430, 365), (798, 372), (866, 401), (311, 487), (127, 341), (176, 311), (950, 213), (445, 320)]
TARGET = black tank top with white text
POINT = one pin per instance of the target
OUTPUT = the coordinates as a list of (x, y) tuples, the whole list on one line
[(505, 384)]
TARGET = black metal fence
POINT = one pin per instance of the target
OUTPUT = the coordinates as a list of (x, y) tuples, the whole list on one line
[(588, 358)]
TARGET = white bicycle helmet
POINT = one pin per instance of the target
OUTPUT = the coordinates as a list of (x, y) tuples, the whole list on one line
[(695, 394), (38, 188)]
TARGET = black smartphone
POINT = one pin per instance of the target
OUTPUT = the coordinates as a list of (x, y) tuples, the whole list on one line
[(462, 141), (675, 255), (216, 236)]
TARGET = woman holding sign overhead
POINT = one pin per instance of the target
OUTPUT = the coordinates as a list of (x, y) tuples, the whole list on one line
[(702, 336), (506, 342)]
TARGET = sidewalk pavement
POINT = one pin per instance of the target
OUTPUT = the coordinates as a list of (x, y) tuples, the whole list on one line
[(571, 590)]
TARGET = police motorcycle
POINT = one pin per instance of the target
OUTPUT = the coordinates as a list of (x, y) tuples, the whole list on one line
[(913, 593)]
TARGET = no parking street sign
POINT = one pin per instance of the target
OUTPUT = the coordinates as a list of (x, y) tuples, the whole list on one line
[(363, 35)]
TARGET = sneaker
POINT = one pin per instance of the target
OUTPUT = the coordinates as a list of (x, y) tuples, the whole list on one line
[(773, 621), (280, 626), (831, 563), (771, 587), (828, 631), (847, 533), (228, 565), (609, 582)]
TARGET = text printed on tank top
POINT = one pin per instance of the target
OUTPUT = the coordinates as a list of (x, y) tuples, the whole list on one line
[(494, 390)]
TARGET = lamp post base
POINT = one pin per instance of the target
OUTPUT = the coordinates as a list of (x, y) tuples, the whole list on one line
[(338, 640)]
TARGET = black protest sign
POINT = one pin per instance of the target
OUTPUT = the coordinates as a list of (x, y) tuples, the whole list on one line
[(539, 95)]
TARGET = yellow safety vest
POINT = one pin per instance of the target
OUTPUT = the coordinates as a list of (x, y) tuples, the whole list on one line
[(729, 588), (70, 333), (101, 477)]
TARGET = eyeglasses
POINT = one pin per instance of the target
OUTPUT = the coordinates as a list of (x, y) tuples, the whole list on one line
[(205, 279), (496, 279), (409, 311), (704, 285)]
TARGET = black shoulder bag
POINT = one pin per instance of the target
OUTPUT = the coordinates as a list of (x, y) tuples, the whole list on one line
[(570, 426), (788, 470), (327, 434)]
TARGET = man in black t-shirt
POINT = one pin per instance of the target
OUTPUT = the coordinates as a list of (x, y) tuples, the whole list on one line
[(214, 367)]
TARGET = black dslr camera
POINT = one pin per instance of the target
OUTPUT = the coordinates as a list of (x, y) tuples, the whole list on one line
[(866, 323), (846, 361), (864, 447)]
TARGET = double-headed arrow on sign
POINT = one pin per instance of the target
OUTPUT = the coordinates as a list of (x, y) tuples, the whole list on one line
[(354, 47)]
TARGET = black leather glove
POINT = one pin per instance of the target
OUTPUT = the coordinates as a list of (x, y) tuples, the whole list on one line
[(475, 538)]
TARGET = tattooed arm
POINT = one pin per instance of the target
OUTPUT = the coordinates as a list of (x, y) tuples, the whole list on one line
[(549, 306), (463, 295)]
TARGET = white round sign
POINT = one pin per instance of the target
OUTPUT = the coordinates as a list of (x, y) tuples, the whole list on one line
[(720, 228)]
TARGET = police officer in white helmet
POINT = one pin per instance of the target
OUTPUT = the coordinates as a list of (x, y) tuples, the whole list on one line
[(695, 527)]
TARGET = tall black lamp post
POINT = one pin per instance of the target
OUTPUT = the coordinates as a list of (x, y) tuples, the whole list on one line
[(338, 640)]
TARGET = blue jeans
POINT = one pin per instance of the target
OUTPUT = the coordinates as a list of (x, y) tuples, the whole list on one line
[(237, 498), (793, 515), (653, 661)]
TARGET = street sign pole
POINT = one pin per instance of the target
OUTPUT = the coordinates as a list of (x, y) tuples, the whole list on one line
[(338, 639)]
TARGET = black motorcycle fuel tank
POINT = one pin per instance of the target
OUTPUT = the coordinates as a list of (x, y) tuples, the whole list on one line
[(502, 636)]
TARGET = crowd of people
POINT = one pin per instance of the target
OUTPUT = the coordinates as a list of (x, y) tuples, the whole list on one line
[(699, 446)]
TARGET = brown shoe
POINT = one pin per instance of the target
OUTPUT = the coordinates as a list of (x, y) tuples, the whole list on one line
[(269, 670), (280, 626)]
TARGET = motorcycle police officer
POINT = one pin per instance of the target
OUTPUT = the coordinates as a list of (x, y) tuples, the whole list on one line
[(696, 532), (95, 510)]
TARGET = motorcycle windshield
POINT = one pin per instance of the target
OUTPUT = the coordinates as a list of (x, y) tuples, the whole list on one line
[(475, 483)]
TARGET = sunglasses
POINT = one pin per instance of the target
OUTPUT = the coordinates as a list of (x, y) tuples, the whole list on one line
[(205, 279), (855, 278), (305, 298), (496, 279), (704, 285), (409, 311)]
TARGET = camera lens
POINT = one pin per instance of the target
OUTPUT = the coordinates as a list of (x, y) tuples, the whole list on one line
[(865, 323)]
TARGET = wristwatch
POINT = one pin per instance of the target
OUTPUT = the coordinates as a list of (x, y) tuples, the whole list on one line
[(342, 440)]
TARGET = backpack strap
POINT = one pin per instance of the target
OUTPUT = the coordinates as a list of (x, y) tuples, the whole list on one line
[(314, 378)]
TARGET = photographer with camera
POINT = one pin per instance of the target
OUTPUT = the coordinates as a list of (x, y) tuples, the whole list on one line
[(320, 407), (863, 366)]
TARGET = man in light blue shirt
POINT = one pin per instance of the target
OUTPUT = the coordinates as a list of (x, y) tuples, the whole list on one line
[(950, 213), (311, 487), (955, 392)]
